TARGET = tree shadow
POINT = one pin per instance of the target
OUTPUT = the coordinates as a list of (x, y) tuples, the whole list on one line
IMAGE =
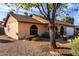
[(64, 51), (61, 41), (63, 48), (5, 41), (67, 54)]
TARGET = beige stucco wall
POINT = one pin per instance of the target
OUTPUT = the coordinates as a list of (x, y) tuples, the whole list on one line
[(24, 29), (13, 28)]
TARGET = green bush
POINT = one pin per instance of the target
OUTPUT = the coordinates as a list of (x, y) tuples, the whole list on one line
[(35, 39), (45, 35), (65, 37), (75, 46), (36, 35), (23, 38)]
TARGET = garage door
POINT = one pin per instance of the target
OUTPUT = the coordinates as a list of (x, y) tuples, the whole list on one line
[(70, 30)]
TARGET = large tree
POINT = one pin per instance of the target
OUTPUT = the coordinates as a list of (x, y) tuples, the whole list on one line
[(47, 10)]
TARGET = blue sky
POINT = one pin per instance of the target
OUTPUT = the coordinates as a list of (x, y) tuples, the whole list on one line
[(4, 9)]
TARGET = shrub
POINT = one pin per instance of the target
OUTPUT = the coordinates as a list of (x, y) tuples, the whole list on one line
[(23, 38), (36, 35), (35, 39), (29, 38), (45, 35), (75, 46), (65, 37)]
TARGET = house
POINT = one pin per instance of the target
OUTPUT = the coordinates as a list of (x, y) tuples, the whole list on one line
[(18, 25)]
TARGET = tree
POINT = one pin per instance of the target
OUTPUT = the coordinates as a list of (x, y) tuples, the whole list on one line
[(68, 19), (47, 10)]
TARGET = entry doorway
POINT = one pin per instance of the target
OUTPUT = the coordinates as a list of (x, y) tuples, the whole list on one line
[(33, 30)]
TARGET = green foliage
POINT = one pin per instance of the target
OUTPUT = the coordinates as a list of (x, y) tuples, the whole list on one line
[(35, 39), (23, 38), (45, 35), (65, 35), (75, 46), (68, 20)]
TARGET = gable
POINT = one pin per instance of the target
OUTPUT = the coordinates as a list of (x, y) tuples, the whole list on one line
[(11, 19)]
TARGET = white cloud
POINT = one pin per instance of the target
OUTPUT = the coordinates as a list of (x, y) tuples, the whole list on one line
[(4, 6)]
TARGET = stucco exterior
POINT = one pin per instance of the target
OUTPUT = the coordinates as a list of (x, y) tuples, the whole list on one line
[(24, 28), (11, 28), (21, 25)]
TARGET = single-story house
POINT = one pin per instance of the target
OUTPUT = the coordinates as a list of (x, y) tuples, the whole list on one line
[(19, 25)]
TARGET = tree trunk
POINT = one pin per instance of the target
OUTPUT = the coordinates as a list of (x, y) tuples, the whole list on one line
[(52, 35)]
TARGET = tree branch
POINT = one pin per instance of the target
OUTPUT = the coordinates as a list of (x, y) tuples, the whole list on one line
[(44, 10), (48, 11), (55, 8)]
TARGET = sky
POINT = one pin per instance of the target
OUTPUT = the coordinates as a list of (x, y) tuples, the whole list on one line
[(4, 10)]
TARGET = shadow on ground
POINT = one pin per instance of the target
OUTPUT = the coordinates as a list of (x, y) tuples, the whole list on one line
[(63, 48), (5, 41)]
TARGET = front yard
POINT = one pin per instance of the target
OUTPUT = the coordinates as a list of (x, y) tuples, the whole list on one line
[(11, 47)]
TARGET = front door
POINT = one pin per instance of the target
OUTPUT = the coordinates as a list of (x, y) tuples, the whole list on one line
[(33, 30)]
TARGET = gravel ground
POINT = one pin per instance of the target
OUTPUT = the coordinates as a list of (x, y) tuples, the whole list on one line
[(11, 47)]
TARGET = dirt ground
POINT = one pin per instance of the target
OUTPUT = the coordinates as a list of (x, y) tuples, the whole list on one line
[(12, 47)]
